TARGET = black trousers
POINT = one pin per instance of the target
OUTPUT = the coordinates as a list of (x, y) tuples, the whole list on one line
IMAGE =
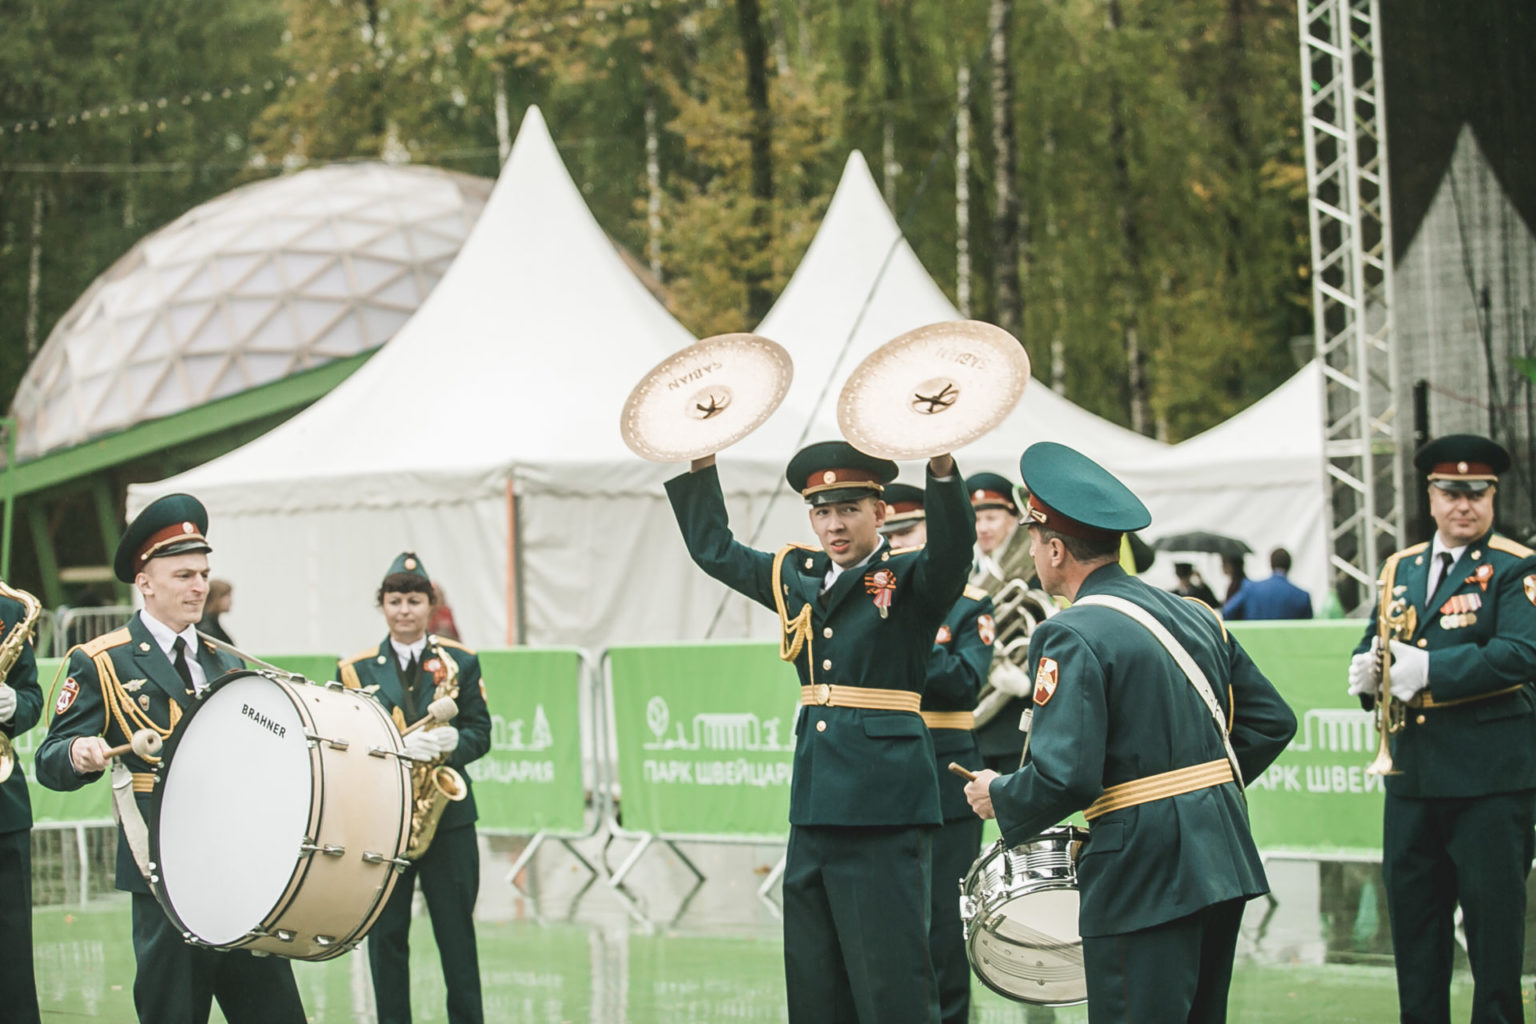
[(450, 880), (955, 846), (176, 983), (1174, 973), (856, 913), (18, 987), (1475, 851)]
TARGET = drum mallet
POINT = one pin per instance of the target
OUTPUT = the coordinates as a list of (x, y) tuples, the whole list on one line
[(439, 711), (962, 771), (146, 743)]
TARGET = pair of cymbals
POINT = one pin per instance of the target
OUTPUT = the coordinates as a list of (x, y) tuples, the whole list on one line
[(926, 392)]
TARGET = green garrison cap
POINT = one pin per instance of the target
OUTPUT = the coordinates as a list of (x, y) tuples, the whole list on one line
[(1462, 462), (903, 507), (176, 524), (407, 562), (830, 471), (1072, 494), (991, 490)]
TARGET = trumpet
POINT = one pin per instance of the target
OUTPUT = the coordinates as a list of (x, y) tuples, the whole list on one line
[(1398, 619), (10, 650), (1017, 610)]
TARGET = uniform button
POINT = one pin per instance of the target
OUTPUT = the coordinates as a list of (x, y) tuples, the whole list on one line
[(827, 632), (1423, 642), (1420, 720), (821, 726), (826, 663)]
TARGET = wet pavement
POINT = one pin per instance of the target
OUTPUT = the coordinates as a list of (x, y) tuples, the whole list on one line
[(665, 948)]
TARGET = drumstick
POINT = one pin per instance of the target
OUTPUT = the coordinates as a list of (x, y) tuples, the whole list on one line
[(145, 743), (439, 711), (963, 772)]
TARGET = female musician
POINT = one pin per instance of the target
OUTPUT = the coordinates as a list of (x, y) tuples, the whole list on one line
[(406, 672)]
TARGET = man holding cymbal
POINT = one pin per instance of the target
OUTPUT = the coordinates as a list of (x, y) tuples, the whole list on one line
[(858, 623)]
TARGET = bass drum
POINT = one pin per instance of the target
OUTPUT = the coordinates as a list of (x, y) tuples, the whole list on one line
[(280, 817), (1019, 909)]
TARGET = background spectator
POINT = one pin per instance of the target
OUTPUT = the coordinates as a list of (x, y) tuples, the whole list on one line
[(221, 597), (1190, 584), (1273, 598)]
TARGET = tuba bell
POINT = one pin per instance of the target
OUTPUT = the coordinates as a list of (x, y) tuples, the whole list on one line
[(10, 651), (1017, 610)]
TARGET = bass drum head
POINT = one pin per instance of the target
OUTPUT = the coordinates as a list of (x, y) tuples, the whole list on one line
[(233, 807), (1030, 950)]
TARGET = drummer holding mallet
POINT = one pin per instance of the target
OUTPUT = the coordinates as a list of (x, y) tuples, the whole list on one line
[(140, 679), (1147, 717), (858, 623)]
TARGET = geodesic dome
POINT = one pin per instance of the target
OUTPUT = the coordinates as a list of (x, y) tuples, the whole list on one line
[(268, 280)]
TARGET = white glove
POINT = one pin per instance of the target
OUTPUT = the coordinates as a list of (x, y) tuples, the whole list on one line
[(7, 703), (1410, 670), (1365, 671), (446, 737), (420, 746), (1010, 679)]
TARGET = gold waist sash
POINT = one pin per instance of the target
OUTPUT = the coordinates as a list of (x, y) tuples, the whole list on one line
[(1422, 699), (949, 719), (831, 695), (1161, 786)]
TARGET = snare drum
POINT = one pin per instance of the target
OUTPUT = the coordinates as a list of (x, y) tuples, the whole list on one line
[(280, 817), (1019, 909)]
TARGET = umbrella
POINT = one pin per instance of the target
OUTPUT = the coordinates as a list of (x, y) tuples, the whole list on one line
[(1203, 540)]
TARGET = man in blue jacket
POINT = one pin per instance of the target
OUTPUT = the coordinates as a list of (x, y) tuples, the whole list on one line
[(1273, 598), (1148, 717)]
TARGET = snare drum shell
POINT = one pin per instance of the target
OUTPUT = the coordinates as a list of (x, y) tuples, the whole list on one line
[(354, 802)]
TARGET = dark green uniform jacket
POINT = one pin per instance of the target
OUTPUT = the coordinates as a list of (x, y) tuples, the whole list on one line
[(1120, 710), (15, 807), (116, 684), (852, 766), (1000, 736), (962, 653), (1480, 631), (376, 667)]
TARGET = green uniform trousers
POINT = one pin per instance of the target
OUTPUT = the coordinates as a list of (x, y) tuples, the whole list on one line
[(856, 915), (17, 988), (450, 882), (1187, 962), (176, 983)]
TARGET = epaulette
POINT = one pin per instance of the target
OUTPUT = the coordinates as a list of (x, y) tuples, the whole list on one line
[(974, 593), (106, 642), (904, 551), (1510, 547), (443, 641)]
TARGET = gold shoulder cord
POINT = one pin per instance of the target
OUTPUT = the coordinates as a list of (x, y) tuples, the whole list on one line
[(794, 633), (349, 678), (121, 706)]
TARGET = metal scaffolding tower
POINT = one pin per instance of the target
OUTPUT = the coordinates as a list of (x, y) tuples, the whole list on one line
[(1346, 143)]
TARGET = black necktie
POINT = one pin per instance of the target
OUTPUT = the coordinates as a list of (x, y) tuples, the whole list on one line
[(180, 663), (1445, 567)]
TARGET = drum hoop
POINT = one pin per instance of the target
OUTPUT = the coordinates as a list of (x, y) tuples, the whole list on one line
[(152, 821)]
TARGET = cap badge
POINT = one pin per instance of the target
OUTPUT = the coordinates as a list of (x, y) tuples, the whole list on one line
[(1461, 467), (978, 494), (880, 584), (830, 476), (188, 528), (410, 564)]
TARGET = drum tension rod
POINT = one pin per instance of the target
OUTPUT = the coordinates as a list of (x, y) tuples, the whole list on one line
[(400, 863), (330, 849), (333, 744)]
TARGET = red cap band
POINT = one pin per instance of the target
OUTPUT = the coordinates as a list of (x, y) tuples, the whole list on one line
[(174, 532)]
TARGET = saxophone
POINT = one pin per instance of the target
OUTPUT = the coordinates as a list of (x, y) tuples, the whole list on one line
[(434, 784), (10, 650)]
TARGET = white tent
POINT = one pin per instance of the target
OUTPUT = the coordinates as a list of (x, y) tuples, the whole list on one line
[(1259, 477), (484, 436)]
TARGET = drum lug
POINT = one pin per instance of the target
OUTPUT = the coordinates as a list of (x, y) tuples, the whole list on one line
[(324, 940), (400, 863), (382, 752), (330, 850), (335, 684), (333, 744)]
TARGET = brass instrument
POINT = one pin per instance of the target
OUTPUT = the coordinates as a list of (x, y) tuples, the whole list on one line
[(1398, 619), (1016, 610), (10, 650), (434, 784)]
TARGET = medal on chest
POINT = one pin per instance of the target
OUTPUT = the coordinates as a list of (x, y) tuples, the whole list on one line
[(880, 585)]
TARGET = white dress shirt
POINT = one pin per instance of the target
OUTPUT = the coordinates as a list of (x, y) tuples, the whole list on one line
[(166, 639)]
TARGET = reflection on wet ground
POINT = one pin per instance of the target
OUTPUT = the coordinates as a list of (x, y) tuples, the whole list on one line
[(669, 949)]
